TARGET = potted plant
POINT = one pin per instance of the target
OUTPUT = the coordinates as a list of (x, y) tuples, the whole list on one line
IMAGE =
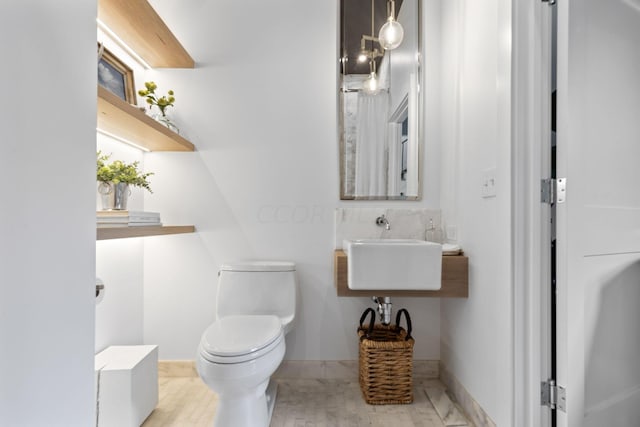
[(162, 102), (114, 180)]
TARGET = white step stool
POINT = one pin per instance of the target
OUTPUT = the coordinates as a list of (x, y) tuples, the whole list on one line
[(127, 390)]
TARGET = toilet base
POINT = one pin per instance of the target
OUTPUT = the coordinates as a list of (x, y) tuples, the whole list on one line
[(272, 392), (247, 410)]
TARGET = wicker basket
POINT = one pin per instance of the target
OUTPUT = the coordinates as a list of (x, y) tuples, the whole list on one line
[(386, 361)]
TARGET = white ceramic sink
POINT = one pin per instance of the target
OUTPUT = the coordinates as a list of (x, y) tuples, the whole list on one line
[(398, 264)]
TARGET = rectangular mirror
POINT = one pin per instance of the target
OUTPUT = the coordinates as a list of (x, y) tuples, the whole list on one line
[(379, 100)]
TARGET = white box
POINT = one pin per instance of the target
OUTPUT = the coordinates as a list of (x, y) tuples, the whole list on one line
[(127, 390)]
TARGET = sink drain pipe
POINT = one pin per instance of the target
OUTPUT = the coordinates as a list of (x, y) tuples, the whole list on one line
[(384, 309)]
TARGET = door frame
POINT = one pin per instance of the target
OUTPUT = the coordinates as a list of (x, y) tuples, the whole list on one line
[(531, 233)]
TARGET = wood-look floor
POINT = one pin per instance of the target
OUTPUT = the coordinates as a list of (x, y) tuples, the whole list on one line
[(183, 402), (186, 402)]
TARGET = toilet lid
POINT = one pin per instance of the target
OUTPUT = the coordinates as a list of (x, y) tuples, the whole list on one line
[(233, 336)]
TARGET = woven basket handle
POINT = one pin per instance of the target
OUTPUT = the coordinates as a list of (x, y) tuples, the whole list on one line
[(371, 323), (407, 318)]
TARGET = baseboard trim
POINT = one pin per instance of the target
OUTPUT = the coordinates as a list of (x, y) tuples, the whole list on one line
[(177, 368), (471, 408)]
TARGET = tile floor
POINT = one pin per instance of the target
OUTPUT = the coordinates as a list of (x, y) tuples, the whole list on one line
[(187, 402)]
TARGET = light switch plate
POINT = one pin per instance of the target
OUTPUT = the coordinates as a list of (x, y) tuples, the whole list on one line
[(489, 183)]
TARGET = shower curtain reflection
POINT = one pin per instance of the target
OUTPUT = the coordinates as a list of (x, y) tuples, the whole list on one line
[(394, 173), (371, 144)]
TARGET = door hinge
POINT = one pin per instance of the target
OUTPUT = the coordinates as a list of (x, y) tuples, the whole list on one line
[(553, 191), (551, 2), (553, 396)]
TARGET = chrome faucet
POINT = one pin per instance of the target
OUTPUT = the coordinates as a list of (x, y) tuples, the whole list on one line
[(383, 221)]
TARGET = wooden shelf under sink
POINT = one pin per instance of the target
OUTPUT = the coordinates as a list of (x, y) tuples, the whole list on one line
[(455, 280)]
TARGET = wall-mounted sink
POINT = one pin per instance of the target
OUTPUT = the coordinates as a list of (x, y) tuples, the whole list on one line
[(393, 264)]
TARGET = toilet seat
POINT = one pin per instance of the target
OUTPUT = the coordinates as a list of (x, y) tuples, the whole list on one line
[(237, 339)]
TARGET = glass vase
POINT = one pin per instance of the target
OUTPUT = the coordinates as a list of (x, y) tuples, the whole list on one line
[(166, 121)]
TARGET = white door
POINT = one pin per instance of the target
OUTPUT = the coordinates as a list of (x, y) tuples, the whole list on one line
[(598, 234)]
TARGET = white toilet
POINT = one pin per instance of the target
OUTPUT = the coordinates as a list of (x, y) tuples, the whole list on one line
[(238, 353)]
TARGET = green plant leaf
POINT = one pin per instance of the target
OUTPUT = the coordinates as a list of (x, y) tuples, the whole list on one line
[(118, 171)]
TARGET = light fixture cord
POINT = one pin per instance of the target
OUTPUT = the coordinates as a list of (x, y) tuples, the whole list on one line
[(373, 11)]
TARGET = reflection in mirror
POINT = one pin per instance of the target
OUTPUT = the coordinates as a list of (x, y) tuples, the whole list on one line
[(379, 101)]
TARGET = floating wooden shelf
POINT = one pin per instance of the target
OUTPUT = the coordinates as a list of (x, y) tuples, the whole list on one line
[(150, 230), (140, 27), (117, 117), (455, 280)]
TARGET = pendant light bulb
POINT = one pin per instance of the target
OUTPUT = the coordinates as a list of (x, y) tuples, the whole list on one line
[(363, 56), (371, 84), (391, 34)]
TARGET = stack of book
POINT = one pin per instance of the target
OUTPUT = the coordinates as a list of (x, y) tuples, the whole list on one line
[(126, 218)]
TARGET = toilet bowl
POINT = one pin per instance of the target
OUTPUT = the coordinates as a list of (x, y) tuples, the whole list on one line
[(240, 351), (237, 356)]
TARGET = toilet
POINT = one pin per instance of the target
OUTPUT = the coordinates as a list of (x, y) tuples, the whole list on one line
[(242, 348)]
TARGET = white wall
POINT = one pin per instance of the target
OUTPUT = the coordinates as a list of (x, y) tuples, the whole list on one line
[(261, 109), (119, 317), (47, 229), (476, 333)]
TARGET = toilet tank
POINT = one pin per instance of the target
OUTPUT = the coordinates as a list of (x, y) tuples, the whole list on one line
[(258, 287)]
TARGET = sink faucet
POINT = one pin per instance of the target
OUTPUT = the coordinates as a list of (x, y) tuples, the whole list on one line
[(383, 221)]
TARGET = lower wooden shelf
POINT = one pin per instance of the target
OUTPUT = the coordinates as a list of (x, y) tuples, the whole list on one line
[(455, 280), (151, 230)]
